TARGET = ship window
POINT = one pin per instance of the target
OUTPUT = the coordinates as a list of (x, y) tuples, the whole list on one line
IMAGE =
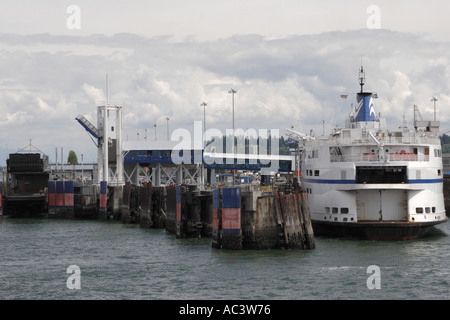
[(316, 173), (344, 210), (433, 209), (439, 172), (419, 210), (327, 209), (374, 174), (334, 210), (427, 210)]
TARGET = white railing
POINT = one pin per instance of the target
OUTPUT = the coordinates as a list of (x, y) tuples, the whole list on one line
[(363, 141), (375, 158)]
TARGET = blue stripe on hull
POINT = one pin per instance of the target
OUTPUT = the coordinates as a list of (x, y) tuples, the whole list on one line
[(327, 181)]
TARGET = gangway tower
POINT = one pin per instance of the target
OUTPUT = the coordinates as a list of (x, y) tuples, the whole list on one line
[(110, 157), (109, 143), (110, 178)]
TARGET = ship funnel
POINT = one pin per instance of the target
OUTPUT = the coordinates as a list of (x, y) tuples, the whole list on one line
[(365, 111)]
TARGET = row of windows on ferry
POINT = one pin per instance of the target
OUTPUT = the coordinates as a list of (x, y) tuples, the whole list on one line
[(377, 174), (346, 210), (426, 210), (399, 154)]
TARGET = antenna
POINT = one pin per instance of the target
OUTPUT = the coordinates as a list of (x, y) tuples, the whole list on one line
[(362, 76)]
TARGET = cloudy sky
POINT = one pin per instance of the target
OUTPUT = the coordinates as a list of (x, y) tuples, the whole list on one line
[(289, 61)]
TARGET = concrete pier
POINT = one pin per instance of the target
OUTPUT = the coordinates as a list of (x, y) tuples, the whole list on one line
[(260, 226)]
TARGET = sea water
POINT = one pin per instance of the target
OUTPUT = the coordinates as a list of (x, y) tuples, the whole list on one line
[(123, 261)]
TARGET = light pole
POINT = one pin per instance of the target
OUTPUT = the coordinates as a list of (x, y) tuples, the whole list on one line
[(434, 99), (232, 92), (167, 118), (155, 130), (204, 104)]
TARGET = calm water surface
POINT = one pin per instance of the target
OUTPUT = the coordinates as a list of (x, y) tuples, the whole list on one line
[(120, 261)]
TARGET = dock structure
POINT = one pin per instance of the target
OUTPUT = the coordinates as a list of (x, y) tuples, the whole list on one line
[(254, 219), (153, 161), (155, 185), (25, 194), (234, 218)]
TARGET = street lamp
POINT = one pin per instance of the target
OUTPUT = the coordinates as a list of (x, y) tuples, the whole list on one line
[(232, 92), (434, 99), (204, 104), (155, 130), (167, 118)]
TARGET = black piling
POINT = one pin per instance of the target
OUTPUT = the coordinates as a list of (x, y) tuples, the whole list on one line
[(145, 205), (186, 214)]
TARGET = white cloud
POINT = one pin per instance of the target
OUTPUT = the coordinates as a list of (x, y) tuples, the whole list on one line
[(95, 95)]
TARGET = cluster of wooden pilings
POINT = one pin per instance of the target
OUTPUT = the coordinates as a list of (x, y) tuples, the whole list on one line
[(189, 212), (234, 218), (145, 205), (253, 219)]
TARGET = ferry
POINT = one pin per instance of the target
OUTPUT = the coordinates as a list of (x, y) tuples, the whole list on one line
[(367, 182)]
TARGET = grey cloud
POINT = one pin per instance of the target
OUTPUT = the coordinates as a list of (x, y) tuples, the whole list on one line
[(280, 82)]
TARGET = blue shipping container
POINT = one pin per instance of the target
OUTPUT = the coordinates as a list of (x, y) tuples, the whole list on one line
[(231, 198)]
